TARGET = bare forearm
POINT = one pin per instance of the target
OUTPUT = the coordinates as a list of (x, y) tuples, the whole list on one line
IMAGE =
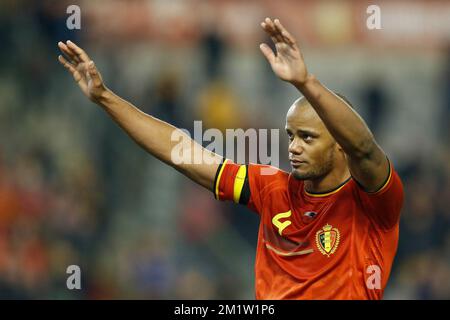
[(346, 126), (156, 137), (366, 160), (147, 131)]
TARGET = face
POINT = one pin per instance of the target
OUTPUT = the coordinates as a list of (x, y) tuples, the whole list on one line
[(312, 149)]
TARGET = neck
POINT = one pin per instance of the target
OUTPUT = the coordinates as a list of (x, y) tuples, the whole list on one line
[(329, 182)]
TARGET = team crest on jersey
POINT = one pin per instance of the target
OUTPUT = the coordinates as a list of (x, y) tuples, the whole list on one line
[(327, 239)]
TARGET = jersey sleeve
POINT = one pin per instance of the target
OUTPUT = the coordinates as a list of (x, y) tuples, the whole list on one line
[(243, 183), (384, 206)]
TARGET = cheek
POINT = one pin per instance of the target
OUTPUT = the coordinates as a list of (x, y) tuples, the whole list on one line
[(314, 152), (318, 154)]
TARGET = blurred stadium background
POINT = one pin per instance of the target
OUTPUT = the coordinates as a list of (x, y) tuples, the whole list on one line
[(74, 189)]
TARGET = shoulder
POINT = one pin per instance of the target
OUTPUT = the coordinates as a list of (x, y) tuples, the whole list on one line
[(391, 187), (384, 205), (266, 176), (239, 182)]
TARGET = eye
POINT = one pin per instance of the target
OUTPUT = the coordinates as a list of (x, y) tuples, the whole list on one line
[(307, 138), (290, 136)]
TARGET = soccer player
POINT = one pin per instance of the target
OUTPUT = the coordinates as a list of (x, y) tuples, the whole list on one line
[(328, 229)]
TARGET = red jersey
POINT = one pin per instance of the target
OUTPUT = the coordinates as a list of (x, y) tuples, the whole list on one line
[(334, 245)]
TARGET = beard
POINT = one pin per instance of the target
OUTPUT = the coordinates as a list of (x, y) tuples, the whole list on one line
[(318, 171)]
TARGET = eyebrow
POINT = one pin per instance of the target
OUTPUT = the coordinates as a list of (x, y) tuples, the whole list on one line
[(304, 132)]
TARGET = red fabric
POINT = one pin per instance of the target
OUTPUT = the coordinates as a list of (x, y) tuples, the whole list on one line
[(364, 236)]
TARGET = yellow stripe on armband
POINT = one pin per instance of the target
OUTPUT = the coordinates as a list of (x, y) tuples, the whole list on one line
[(239, 183)]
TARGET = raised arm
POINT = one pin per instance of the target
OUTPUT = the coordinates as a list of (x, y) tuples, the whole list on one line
[(157, 137), (367, 161)]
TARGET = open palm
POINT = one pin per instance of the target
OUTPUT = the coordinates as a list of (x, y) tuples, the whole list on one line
[(82, 69), (287, 63)]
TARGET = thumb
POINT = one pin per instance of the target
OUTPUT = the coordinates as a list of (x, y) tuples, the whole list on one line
[(95, 75), (268, 53)]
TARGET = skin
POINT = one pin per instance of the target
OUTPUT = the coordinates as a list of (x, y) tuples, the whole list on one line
[(366, 161), (314, 154), (343, 145)]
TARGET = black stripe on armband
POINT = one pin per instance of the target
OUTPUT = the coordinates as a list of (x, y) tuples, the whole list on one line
[(245, 193), (217, 176)]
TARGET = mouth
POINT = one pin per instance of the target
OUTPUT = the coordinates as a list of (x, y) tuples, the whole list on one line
[(297, 163)]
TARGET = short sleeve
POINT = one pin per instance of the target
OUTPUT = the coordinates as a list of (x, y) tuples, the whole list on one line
[(384, 206), (243, 183)]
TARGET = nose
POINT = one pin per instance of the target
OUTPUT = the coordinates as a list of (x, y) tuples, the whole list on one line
[(295, 147)]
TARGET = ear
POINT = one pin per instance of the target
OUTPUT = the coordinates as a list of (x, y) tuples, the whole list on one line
[(340, 150)]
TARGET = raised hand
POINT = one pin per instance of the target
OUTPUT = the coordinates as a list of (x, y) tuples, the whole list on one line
[(82, 69), (287, 63)]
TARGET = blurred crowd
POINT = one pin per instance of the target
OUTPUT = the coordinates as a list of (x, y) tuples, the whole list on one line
[(75, 190)]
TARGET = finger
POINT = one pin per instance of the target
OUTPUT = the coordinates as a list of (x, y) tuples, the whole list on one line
[(76, 75), (78, 51), (286, 35), (268, 53), (269, 33), (69, 53), (270, 25), (267, 28), (95, 75), (74, 54), (271, 30), (66, 63)]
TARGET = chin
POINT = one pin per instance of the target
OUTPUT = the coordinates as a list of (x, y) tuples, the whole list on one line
[(300, 175), (310, 174)]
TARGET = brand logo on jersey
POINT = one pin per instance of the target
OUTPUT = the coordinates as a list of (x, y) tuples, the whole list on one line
[(282, 225), (327, 239), (309, 216)]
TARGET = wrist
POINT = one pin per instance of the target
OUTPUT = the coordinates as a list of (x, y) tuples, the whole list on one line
[(305, 83), (104, 97)]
